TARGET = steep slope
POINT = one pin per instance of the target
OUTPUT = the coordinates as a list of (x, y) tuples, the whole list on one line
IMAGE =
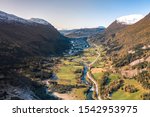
[(122, 22), (133, 36), (24, 47), (127, 43), (20, 38), (106, 36), (119, 24), (114, 27)]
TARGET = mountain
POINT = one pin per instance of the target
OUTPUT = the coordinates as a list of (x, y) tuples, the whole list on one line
[(21, 38), (116, 26), (133, 36), (9, 18), (84, 32), (127, 39), (122, 22), (26, 46)]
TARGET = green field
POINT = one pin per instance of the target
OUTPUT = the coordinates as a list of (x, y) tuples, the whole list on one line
[(66, 71), (122, 95), (114, 77)]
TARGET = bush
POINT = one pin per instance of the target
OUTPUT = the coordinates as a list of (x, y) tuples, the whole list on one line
[(146, 96), (78, 71), (130, 89), (144, 79), (105, 79)]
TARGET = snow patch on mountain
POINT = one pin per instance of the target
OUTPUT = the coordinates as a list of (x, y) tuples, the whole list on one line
[(5, 17), (130, 19), (39, 21), (11, 18)]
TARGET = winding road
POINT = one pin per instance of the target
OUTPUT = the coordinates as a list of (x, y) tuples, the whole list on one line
[(89, 76)]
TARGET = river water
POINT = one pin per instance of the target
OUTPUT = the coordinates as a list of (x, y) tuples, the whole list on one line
[(89, 92), (83, 78)]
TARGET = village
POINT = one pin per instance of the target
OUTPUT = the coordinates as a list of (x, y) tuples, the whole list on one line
[(77, 46)]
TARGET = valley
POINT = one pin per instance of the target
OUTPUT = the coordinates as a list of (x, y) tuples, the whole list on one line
[(102, 80), (90, 74), (38, 62)]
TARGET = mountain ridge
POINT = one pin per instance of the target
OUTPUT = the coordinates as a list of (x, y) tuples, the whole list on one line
[(83, 32), (10, 18), (20, 38)]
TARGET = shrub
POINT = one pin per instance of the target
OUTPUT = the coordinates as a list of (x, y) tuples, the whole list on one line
[(130, 89)]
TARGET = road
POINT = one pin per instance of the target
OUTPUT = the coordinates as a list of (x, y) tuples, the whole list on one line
[(89, 76)]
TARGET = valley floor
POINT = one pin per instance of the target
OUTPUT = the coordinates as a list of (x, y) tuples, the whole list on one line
[(105, 80), (86, 76)]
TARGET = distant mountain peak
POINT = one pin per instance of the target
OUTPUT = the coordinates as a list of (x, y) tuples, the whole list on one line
[(5, 17), (40, 21), (101, 27), (129, 19)]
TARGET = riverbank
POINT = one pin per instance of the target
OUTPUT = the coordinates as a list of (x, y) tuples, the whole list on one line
[(72, 71)]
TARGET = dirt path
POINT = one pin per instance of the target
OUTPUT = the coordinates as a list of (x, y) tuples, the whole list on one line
[(95, 85), (91, 78)]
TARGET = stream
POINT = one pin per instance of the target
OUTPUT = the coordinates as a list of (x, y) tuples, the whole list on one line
[(89, 92)]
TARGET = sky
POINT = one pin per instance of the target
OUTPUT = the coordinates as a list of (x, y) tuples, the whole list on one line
[(72, 14)]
